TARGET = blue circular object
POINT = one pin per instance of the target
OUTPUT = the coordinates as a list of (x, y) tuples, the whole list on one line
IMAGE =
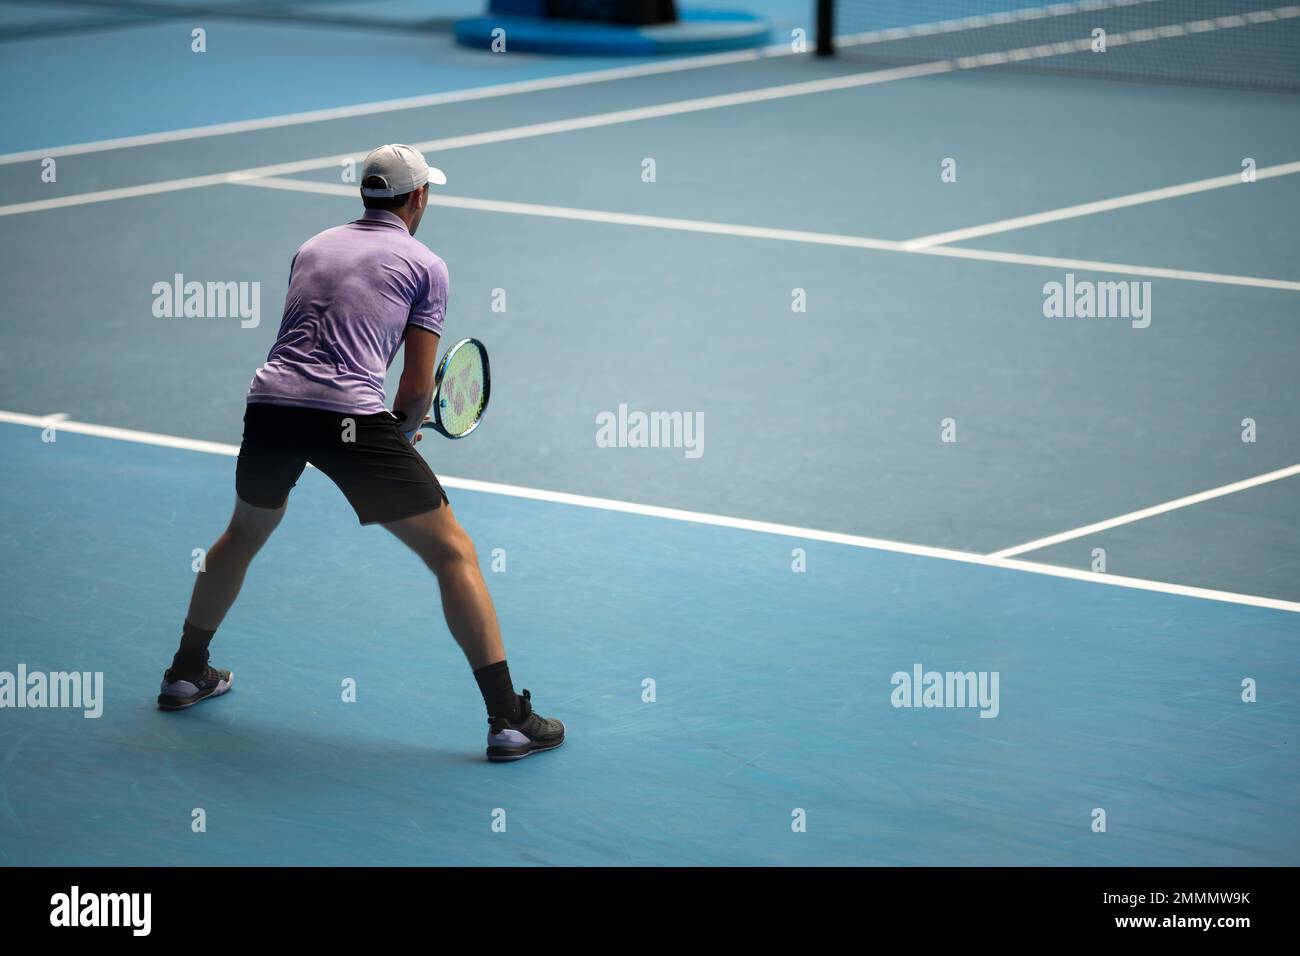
[(696, 31)]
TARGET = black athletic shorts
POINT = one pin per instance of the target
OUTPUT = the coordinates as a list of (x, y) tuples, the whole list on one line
[(367, 456)]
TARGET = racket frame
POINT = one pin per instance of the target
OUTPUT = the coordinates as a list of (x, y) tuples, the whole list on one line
[(437, 387)]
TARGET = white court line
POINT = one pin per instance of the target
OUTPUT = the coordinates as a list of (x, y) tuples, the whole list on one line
[(651, 112), (551, 83), (1056, 262), (404, 103), (1159, 509), (1101, 205), (123, 192), (782, 235), (589, 215), (981, 21), (118, 434), (698, 517), (592, 121)]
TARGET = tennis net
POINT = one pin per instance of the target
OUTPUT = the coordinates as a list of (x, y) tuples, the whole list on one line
[(1248, 43)]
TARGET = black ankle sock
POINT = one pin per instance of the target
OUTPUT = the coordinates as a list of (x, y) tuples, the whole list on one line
[(193, 654), (498, 693)]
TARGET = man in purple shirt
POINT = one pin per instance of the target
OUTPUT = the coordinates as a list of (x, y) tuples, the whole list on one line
[(357, 293)]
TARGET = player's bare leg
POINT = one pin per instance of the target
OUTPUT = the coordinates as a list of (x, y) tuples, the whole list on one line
[(218, 584), (437, 537), (190, 679)]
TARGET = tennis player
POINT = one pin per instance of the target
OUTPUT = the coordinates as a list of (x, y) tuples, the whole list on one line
[(356, 294)]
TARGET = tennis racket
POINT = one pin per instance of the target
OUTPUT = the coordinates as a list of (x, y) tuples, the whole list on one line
[(460, 389)]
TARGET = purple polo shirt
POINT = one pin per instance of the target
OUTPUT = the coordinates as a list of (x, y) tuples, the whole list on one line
[(353, 290)]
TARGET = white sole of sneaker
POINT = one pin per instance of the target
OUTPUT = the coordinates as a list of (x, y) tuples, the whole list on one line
[(510, 758)]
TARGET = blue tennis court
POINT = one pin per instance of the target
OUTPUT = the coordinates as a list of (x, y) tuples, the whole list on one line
[(828, 278)]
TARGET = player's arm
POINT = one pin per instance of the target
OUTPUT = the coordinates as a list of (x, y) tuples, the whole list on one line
[(415, 389)]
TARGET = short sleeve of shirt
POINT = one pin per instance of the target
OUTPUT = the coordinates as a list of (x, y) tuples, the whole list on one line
[(430, 307)]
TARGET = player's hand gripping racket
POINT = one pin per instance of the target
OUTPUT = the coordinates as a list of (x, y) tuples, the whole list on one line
[(460, 390)]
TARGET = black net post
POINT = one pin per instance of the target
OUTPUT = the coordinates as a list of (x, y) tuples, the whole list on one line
[(825, 17)]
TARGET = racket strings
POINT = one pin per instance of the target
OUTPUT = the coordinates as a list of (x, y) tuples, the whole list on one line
[(462, 392)]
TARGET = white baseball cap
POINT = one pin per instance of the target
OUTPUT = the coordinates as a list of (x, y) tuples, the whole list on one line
[(402, 169)]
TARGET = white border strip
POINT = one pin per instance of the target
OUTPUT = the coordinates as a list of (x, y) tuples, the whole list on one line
[(1159, 509), (981, 21), (1155, 272), (780, 235), (672, 66), (934, 244), (404, 103), (589, 215), (528, 131), (1103, 205), (697, 517), (123, 192)]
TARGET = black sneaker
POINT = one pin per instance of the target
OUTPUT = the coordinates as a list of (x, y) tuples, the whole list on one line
[(530, 734), (181, 692)]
